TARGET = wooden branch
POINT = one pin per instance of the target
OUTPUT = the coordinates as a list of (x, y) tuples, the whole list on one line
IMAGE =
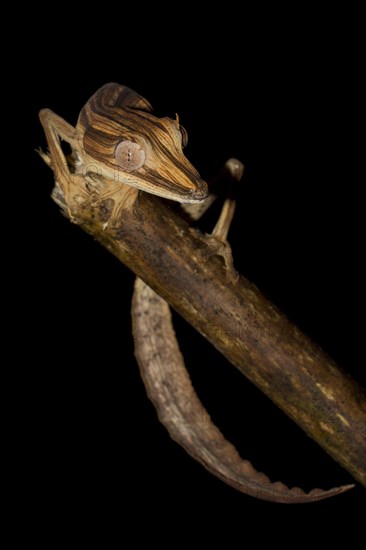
[(175, 260)]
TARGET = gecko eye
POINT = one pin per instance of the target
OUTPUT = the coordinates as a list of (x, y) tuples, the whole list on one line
[(183, 131), (129, 155)]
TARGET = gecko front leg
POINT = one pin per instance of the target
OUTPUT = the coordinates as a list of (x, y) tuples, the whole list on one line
[(169, 387), (217, 241), (69, 172)]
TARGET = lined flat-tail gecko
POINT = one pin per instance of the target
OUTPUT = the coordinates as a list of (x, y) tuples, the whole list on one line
[(118, 144)]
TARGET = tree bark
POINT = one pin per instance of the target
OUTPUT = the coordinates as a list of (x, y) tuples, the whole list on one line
[(175, 260)]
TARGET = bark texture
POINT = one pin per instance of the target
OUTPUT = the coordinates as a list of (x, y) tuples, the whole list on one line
[(175, 260)]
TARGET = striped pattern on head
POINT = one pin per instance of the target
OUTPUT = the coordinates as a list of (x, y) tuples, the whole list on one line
[(127, 143)]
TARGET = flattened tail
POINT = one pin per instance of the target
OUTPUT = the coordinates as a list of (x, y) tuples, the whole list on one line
[(278, 492), (170, 389)]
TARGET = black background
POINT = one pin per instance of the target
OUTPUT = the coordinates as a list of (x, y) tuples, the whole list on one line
[(286, 100)]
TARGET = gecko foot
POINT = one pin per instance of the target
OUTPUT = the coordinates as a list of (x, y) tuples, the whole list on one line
[(222, 248)]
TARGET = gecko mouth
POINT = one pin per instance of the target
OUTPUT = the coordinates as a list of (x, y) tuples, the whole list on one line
[(200, 194), (188, 189)]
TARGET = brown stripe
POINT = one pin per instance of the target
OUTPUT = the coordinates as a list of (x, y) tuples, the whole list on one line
[(111, 115)]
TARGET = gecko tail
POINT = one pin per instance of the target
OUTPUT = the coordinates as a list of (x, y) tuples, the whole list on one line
[(169, 387)]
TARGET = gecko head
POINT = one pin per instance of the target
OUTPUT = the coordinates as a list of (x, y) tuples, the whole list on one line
[(133, 147), (154, 157)]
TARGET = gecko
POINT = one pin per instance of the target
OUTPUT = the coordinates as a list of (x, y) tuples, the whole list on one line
[(119, 145)]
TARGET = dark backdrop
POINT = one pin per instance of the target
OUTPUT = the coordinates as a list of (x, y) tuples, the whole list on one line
[(288, 105)]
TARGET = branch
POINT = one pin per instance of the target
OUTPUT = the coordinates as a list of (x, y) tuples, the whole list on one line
[(174, 259)]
